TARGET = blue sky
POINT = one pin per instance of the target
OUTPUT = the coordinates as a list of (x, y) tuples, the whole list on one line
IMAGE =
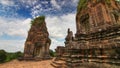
[(16, 15)]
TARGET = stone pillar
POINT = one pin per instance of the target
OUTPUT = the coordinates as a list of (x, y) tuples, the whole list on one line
[(35, 51), (43, 51), (40, 52), (47, 48)]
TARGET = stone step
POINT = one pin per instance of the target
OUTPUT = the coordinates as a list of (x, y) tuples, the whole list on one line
[(59, 64), (106, 61), (73, 65), (75, 61), (54, 65), (63, 59)]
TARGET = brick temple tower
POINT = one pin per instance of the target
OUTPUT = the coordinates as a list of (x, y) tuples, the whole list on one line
[(98, 32), (97, 38), (95, 15), (38, 42)]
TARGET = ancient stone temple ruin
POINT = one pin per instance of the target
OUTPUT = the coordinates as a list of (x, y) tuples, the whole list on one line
[(60, 51), (38, 42), (98, 33)]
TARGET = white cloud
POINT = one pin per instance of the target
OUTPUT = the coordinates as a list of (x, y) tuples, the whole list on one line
[(57, 27), (7, 2), (75, 1), (55, 43), (28, 3), (14, 27), (44, 2), (55, 4), (8, 8), (12, 45), (36, 10), (44, 7)]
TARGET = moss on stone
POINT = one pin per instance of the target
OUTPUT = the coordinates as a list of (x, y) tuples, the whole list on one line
[(38, 20), (107, 2), (81, 4)]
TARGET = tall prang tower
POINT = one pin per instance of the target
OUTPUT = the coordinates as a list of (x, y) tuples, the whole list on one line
[(95, 15), (98, 32), (38, 42)]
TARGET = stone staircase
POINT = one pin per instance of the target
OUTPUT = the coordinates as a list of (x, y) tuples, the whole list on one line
[(58, 63)]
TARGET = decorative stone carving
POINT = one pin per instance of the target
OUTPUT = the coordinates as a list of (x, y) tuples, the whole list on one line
[(69, 35)]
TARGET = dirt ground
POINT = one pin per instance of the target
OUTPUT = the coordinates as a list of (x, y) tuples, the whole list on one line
[(27, 64), (47, 64)]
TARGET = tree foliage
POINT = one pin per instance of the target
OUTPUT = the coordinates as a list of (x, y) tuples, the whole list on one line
[(52, 53), (5, 56), (2, 56), (107, 1), (38, 20), (81, 4), (16, 55)]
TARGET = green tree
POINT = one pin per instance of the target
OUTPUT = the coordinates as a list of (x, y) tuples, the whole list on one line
[(16, 55), (19, 54), (38, 20), (52, 53), (2, 56)]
